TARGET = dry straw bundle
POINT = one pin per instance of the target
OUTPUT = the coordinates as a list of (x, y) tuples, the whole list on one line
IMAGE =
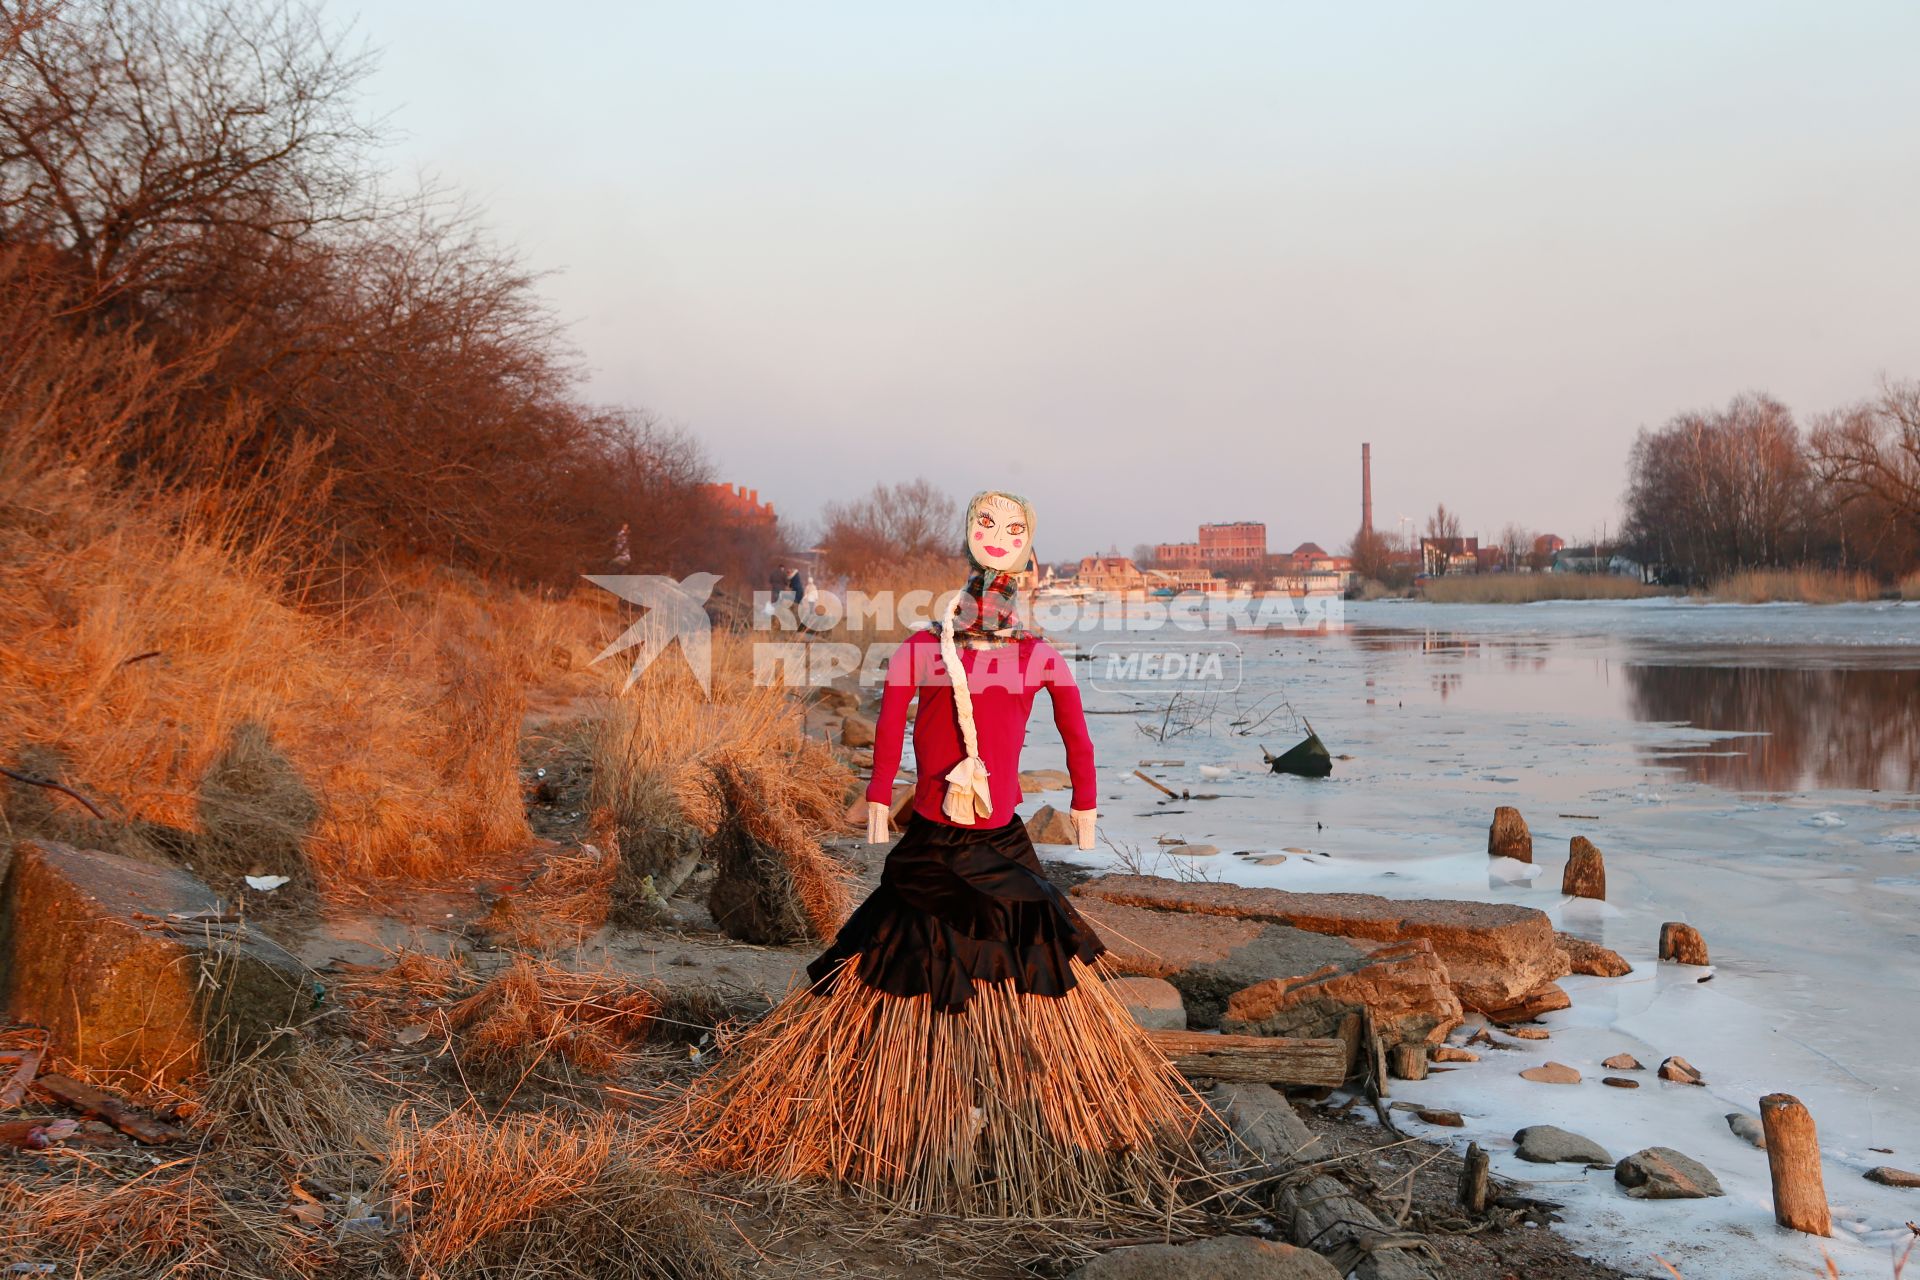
[(1017, 1106), (533, 1011)]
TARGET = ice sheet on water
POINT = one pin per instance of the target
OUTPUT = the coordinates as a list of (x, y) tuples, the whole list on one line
[(1806, 899)]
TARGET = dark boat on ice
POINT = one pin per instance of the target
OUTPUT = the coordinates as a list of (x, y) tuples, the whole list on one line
[(1310, 759)]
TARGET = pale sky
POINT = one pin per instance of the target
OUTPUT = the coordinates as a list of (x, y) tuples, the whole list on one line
[(1158, 264)]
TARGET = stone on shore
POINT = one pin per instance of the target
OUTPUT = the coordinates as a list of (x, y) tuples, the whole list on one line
[(1888, 1176), (1208, 958), (856, 731), (1585, 875), (1441, 1116), (1495, 953), (1220, 1258), (1551, 1073), (1619, 1082), (1680, 1071), (1044, 780), (1747, 1128), (1154, 1002), (1591, 958), (1450, 1053), (1661, 1173), (100, 950), (1548, 1144), (1508, 837), (1193, 850), (1682, 944), (1547, 999), (1623, 1062), (1049, 825), (1403, 987), (1529, 1033)]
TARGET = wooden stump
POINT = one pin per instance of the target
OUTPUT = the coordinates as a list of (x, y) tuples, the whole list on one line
[(1586, 873), (1508, 837), (1474, 1192), (1407, 1061), (1793, 1158), (1682, 944)]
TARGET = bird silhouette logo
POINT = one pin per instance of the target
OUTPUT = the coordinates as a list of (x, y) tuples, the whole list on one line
[(676, 612)]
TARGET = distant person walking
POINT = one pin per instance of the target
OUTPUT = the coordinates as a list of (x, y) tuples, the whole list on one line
[(622, 548), (798, 585)]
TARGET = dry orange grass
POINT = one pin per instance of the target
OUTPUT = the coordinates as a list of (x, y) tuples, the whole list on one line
[(144, 648), (1910, 586), (1015, 1106), (535, 1011), (540, 1195), (1802, 586), (673, 767)]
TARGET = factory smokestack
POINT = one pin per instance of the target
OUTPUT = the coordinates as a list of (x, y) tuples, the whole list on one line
[(1366, 488)]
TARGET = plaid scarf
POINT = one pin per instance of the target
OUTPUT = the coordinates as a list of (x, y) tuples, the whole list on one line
[(995, 610)]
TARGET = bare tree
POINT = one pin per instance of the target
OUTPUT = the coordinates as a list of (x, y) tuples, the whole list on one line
[(1868, 456), (1715, 492), (1443, 523), (893, 523), (1516, 545)]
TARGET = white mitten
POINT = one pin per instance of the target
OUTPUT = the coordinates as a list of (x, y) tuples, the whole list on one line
[(878, 822), (1083, 820)]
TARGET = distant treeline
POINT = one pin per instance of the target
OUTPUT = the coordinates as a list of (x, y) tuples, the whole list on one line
[(1744, 487), (207, 286)]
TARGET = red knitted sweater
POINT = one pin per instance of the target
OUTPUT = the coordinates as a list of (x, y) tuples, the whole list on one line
[(1002, 680)]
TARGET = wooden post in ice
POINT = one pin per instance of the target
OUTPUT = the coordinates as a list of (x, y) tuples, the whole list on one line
[(1474, 1191), (1793, 1158)]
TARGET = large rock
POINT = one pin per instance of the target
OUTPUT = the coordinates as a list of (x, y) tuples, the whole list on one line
[(1049, 825), (1682, 944), (98, 949), (1546, 1144), (1044, 780), (1661, 1173), (1548, 999), (1154, 1002), (1585, 875), (1496, 954), (1220, 1258), (856, 731), (1404, 987), (1591, 958), (1508, 837), (1208, 958)]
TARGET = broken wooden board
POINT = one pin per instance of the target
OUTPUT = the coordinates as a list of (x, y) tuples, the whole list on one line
[(1255, 1059)]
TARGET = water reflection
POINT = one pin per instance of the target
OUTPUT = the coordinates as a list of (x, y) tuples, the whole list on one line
[(1820, 727)]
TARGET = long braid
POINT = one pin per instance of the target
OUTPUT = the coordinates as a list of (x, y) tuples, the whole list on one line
[(962, 696)]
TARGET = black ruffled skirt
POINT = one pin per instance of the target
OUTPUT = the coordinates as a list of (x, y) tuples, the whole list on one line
[(958, 906)]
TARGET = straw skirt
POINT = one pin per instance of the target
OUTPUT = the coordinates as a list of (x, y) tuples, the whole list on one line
[(957, 1051)]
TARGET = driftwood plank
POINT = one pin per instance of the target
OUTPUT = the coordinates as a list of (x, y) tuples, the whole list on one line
[(88, 1100), (1256, 1059)]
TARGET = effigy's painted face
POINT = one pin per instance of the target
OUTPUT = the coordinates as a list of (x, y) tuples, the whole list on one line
[(997, 533)]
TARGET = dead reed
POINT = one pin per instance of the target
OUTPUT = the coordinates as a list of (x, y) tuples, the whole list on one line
[(534, 1012), (1015, 1106), (1527, 588), (541, 1195), (1798, 586), (674, 768)]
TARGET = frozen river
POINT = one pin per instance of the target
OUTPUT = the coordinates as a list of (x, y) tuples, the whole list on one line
[(1750, 770)]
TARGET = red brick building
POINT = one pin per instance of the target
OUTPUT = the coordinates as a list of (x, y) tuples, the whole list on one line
[(739, 503), (1239, 548), (1178, 555)]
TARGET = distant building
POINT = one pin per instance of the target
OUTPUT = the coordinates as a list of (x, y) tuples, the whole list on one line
[(1311, 557), (1184, 581), (1178, 555), (739, 503), (1117, 575), (1239, 548), (1449, 555)]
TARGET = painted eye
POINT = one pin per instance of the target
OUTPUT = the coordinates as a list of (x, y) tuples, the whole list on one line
[(1016, 528), (985, 521)]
